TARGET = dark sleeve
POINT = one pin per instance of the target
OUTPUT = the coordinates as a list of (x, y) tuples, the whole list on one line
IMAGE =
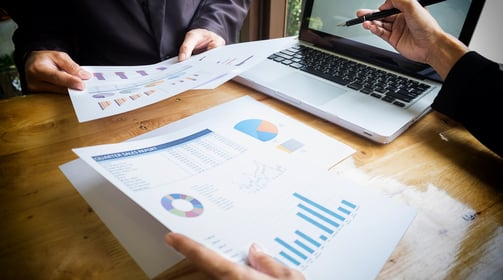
[(472, 94), (38, 28), (224, 17)]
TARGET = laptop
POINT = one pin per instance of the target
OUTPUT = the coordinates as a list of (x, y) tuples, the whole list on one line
[(352, 78)]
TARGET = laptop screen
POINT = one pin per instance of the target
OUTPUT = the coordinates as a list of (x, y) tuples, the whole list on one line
[(321, 17)]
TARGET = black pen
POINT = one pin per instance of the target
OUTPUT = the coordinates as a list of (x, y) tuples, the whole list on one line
[(383, 14)]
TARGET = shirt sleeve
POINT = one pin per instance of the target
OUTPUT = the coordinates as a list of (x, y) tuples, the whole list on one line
[(472, 95), (38, 28), (224, 17)]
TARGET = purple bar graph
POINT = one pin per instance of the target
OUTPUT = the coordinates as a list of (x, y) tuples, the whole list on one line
[(142, 72), (99, 76), (121, 75)]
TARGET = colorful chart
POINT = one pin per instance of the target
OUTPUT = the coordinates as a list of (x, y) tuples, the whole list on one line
[(154, 84), (121, 75), (168, 201), (104, 104), (120, 101), (259, 129), (290, 146), (135, 96), (99, 76), (129, 90), (319, 224), (103, 95), (149, 92)]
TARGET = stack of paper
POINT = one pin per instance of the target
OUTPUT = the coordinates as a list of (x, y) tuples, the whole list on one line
[(247, 174), (117, 89)]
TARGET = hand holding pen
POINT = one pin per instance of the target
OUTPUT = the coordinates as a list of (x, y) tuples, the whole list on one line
[(416, 35), (383, 14)]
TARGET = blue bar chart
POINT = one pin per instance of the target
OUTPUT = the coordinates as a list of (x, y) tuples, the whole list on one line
[(316, 225)]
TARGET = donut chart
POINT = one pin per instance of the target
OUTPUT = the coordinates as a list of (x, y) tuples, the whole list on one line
[(167, 202)]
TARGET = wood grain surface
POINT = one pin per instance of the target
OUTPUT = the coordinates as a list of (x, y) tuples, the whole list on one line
[(47, 230)]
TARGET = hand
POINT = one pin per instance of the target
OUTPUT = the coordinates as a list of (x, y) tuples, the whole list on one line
[(412, 32), (416, 35), (53, 71), (262, 266), (197, 41)]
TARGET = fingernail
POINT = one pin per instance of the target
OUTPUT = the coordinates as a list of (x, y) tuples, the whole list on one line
[(84, 74), (80, 86), (168, 239), (256, 248)]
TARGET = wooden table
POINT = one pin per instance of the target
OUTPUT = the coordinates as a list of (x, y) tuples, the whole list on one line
[(47, 231)]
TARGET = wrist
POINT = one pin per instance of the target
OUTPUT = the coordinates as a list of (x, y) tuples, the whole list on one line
[(447, 52)]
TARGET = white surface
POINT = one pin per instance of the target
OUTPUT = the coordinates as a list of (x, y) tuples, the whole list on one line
[(7, 28), (130, 223), (487, 36), (242, 185)]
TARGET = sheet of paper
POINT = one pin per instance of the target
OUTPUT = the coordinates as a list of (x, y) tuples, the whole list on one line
[(257, 126), (117, 89), (130, 223), (227, 195), (137, 231)]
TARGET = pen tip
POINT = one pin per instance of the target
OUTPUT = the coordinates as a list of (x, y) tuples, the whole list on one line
[(341, 24)]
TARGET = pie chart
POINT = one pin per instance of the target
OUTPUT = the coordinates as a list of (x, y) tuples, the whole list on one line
[(259, 129)]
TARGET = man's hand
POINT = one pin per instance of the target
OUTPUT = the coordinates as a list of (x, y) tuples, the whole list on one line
[(197, 41), (53, 71), (416, 35), (262, 266)]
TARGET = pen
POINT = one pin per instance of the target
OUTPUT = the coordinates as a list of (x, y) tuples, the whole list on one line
[(383, 14)]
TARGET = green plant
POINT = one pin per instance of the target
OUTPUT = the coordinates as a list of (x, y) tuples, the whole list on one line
[(294, 14), (6, 62)]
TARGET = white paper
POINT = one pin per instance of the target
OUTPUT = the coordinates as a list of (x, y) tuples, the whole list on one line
[(297, 141), (211, 180), (130, 223), (227, 196), (117, 89), (140, 233)]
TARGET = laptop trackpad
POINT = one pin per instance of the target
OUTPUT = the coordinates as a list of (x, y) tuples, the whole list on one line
[(308, 89)]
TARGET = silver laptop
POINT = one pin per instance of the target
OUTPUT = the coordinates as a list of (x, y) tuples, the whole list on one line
[(351, 77)]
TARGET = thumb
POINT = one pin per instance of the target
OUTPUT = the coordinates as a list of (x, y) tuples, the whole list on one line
[(268, 265), (71, 67)]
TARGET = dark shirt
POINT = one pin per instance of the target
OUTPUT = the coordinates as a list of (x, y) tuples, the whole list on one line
[(472, 94), (119, 32)]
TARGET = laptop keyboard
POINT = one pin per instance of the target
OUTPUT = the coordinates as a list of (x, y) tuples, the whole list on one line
[(377, 83)]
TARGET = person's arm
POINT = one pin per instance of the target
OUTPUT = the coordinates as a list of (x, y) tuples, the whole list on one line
[(472, 94), (53, 71), (472, 90), (216, 23), (223, 17), (261, 266), (416, 35), (44, 30)]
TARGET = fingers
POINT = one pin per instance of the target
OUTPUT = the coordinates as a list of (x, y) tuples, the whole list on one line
[(199, 40), (262, 266), (53, 71), (379, 28), (362, 12), (203, 258), (268, 265)]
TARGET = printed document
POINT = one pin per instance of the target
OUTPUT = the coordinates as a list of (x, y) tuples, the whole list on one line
[(116, 89), (217, 183)]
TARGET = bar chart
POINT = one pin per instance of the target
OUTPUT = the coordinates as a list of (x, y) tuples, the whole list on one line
[(316, 225)]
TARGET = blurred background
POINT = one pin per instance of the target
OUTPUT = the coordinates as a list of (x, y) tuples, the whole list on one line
[(267, 19), (9, 78)]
